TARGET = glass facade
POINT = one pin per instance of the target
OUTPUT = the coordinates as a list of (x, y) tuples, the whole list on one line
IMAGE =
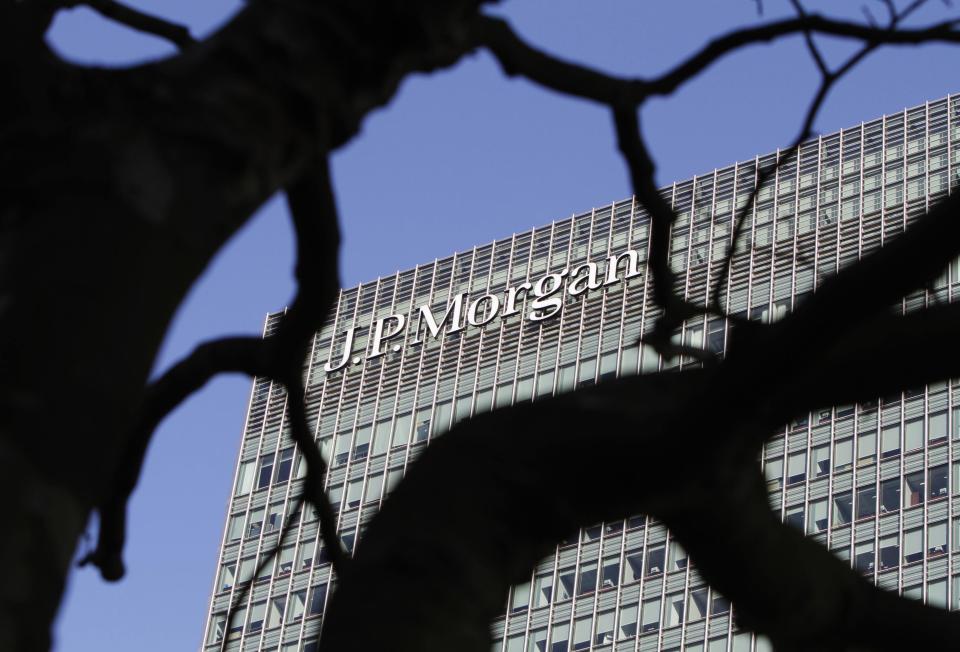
[(562, 306)]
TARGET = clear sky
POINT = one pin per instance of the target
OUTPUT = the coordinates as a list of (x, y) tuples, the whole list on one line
[(457, 159)]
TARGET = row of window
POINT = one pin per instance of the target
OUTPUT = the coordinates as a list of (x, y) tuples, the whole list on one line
[(269, 614), (891, 445)]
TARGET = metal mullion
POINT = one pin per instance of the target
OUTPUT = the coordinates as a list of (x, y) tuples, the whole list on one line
[(501, 327), (603, 307), (643, 585), (582, 307), (421, 354), (444, 345), (351, 462), (520, 325), (375, 421), (626, 291), (539, 347), (563, 320), (463, 341)]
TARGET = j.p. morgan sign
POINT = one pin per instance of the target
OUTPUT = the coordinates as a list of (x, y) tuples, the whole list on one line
[(546, 298)]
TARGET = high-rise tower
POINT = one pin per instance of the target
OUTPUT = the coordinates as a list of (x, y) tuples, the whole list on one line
[(548, 310)]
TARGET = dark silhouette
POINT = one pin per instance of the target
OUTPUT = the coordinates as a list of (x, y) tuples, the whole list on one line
[(119, 186)]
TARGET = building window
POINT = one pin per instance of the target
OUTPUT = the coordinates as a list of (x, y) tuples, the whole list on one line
[(604, 630), (559, 638), (401, 430), (937, 539), (633, 568), (582, 628), (244, 479), (797, 467), (354, 493), (628, 621), (422, 428), (610, 573), (718, 604), (773, 471), (298, 602), (842, 508), (257, 613), (843, 455), (937, 427), (235, 527), (305, 555), (866, 447), (817, 522), (266, 471), (697, 604), (889, 552), (939, 482), (274, 518), (361, 443), (650, 615), (863, 558), (217, 629), (821, 460), (285, 560), (794, 517), (227, 576), (913, 546), (543, 589), (566, 578), (255, 523), (285, 465), (537, 642), (913, 489), (937, 593), (318, 598), (913, 434), (675, 605), (275, 614), (890, 441), (587, 583), (890, 495), (677, 558), (520, 598), (237, 622), (655, 560)]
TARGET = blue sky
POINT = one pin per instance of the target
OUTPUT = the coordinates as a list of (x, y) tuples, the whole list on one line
[(458, 158)]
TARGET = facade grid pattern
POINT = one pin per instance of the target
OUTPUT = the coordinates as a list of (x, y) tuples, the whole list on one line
[(876, 483)]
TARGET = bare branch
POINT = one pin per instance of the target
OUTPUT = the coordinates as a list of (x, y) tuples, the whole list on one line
[(828, 80), (519, 58), (140, 21), (249, 355), (808, 38)]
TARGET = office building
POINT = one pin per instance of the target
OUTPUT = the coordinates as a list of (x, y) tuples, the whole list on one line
[(562, 306)]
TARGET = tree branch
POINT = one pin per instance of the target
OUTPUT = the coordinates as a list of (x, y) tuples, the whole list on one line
[(140, 21)]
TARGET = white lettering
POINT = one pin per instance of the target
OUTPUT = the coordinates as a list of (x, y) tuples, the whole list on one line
[(380, 337), (454, 309), (632, 268), (510, 307), (584, 282), (492, 300), (546, 305)]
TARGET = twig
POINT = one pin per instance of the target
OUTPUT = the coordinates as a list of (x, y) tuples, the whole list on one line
[(138, 20)]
